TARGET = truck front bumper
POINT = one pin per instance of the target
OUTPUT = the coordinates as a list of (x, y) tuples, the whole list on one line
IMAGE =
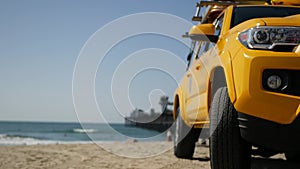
[(253, 99), (268, 118)]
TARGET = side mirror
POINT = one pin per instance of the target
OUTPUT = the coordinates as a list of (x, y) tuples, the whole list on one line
[(203, 32), (189, 56)]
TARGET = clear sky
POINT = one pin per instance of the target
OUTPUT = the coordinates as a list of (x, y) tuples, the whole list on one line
[(40, 42)]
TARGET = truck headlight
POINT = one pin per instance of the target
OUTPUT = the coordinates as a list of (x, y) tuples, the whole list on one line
[(268, 37), (261, 36)]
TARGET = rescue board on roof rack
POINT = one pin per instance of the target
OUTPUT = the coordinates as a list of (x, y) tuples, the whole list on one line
[(208, 11)]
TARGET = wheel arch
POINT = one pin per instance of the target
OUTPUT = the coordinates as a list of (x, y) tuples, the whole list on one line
[(178, 102), (221, 77), (175, 106)]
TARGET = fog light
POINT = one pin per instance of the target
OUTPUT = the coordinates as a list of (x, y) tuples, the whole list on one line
[(274, 82)]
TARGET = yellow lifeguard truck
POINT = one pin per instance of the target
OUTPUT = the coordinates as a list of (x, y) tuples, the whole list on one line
[(242, 82)]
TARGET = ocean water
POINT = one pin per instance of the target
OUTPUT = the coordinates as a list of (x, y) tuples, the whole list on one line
[(31, 133)]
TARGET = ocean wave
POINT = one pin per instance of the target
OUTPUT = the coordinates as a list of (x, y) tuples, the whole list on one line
[(22, 140), (15, 140), (85, 130)]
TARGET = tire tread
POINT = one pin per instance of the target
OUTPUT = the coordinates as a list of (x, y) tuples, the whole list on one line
[(227, 149)]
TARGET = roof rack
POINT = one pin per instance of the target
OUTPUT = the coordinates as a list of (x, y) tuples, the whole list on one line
[(227, 3), (215, 7)]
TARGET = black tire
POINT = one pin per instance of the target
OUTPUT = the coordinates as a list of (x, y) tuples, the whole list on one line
[(227, 148), (293, 157), (185, 138)]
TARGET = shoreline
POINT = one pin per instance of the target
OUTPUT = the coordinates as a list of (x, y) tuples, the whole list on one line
[(15, 133), (54, 142)]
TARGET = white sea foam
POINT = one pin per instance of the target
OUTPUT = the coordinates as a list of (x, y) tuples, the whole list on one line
[(18, 140), (85, 130), (8, 140)]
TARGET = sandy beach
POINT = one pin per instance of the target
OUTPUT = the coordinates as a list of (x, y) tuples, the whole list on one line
[(89, 156)]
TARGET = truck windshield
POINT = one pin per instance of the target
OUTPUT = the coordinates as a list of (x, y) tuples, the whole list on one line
[(244, 13)]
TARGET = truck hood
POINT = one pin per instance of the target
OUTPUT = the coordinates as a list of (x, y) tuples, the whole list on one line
[(293, 20)]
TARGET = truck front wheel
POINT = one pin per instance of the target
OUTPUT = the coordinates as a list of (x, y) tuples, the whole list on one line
[(227, 148)]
